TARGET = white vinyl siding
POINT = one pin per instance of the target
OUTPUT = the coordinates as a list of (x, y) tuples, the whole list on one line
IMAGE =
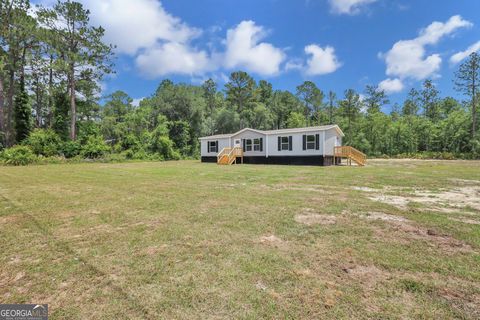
[(276, 144), (256, 139), (222, 143), (297, 145)]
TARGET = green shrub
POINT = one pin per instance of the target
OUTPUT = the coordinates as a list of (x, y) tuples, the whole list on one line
[(18, 156), (130, 141), (86, 129), (44, 142), (114, 157), (136, 154), (429, 155), (94, 148), (71, 149), (163, 146)]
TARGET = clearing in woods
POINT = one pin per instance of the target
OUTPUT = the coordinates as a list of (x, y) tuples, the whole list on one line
[(395, 239)]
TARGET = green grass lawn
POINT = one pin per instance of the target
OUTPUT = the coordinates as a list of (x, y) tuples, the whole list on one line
[(188, 240)]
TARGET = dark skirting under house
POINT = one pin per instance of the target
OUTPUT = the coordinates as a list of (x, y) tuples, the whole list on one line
[(286, 160)]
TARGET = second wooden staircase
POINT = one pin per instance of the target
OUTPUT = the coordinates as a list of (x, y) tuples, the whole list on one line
[(351, 154)]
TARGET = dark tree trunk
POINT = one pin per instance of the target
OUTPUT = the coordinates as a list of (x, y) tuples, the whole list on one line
[(474, 106), (50, 94), (9, 134), (2, 108), (73, 104), (38, 99)]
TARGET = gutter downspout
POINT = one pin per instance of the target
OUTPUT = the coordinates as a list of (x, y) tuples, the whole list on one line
[(323, 144)]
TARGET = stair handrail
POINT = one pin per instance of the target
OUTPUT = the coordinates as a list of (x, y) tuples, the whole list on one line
[(359, 155), (232, 156), (230, 153), (223, 153), (350, 152)]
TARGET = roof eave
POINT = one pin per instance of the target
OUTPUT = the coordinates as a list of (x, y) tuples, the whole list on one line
[(266, 133)]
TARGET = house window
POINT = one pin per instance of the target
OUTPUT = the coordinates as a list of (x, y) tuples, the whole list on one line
[(253, 144), (284, 143), (310, 142), (248, 145), (213, 146), (256, 144)]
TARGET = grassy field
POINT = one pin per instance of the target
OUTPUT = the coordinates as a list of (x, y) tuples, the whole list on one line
[(185, 240)]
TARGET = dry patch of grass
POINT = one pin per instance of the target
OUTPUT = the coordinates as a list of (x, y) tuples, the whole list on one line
[(443, 200), (399, 228), (310, 217)]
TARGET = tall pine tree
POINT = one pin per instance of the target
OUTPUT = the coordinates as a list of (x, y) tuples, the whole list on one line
[(22, 113)]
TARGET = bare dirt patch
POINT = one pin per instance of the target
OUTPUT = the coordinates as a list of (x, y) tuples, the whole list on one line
[(465, 181), (365, 272), (402, 230), (309, 217), (367, 275), (298, 187), (445, 200), (383, 216), (465, 220), (460, 197), (464, 302), (396, 201), (154, 250), (271, 240), (442, 241), (10, 219), (365, 189)]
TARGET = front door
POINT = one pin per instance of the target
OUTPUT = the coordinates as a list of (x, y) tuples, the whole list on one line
[(238, 143)]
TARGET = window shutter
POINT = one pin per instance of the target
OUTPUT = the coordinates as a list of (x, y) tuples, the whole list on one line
[(304, 142), (290, 143), (279, 143), (261, 144), (243, 142), (216, 146), (317, 141)]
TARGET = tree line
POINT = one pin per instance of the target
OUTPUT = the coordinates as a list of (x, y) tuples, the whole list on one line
[(52, 61)]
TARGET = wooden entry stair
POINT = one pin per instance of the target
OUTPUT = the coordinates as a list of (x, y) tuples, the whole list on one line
[(228, 156), (351, 154)]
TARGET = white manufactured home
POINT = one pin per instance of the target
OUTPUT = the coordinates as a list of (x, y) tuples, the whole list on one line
[(308, 146)]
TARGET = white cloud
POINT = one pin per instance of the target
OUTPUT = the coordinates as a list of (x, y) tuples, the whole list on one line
[(459, 56), (294, 64), (136, 101), (243, 50), (407, 58), (133, 25), (391, 85), (348, 6), (162, 44), (321, 61), (174, 58)]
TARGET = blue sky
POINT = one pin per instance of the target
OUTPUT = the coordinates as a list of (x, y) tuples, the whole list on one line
[(338, 44)]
